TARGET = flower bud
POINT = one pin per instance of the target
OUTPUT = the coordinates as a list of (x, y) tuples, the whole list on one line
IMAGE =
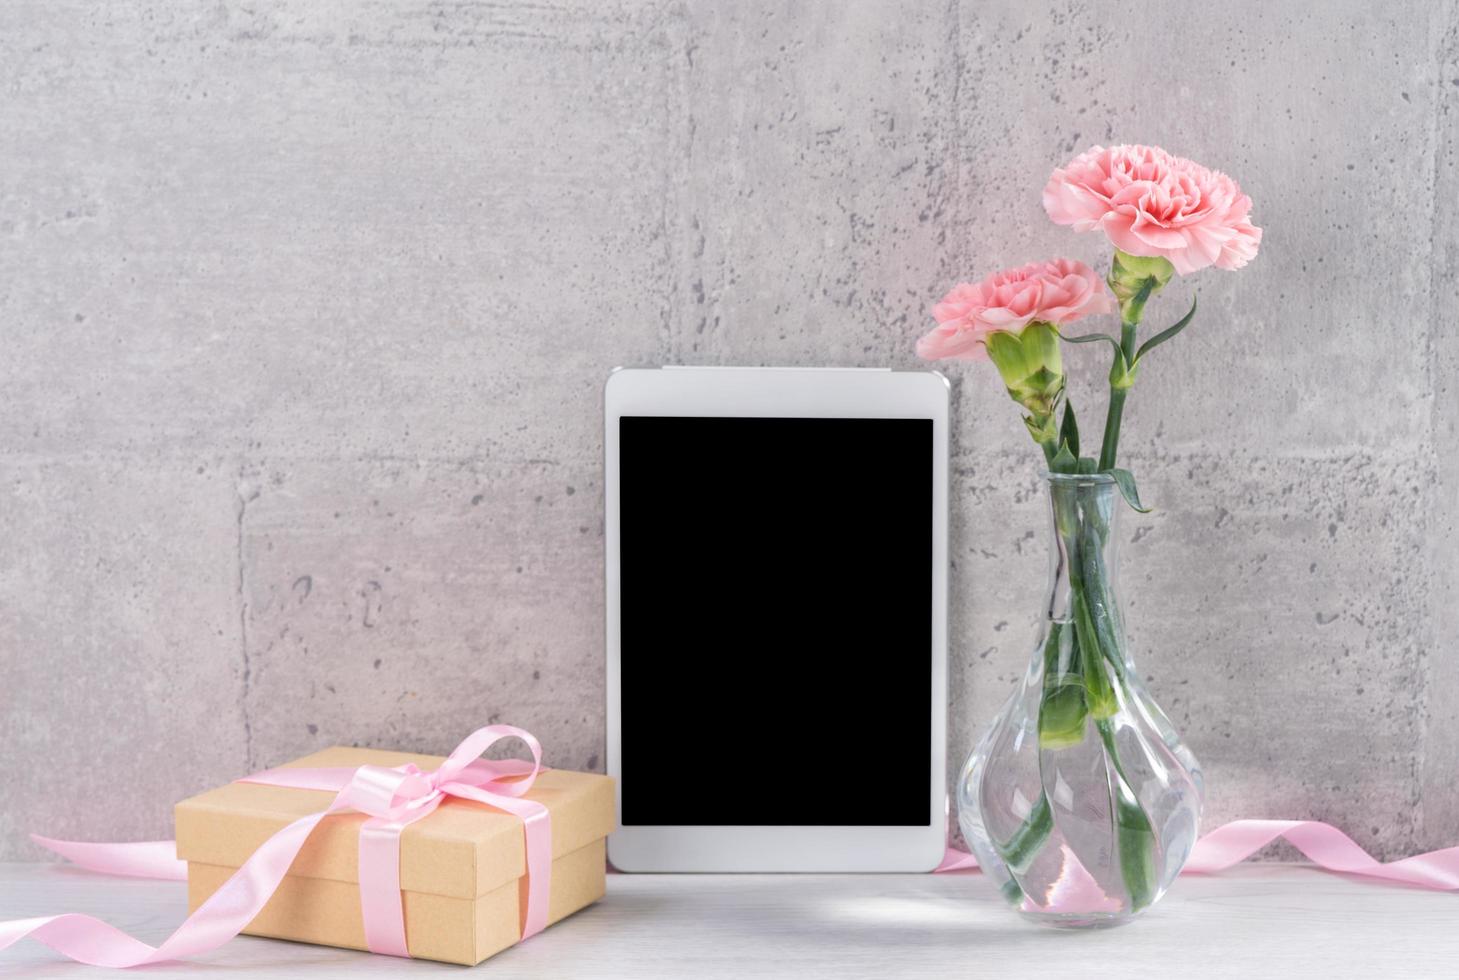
[(1031, 367), (1134, 279)]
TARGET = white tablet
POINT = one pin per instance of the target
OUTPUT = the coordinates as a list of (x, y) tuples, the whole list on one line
[(777, 596)]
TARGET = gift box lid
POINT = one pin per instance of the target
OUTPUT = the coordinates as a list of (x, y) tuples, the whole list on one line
[(462, 850)]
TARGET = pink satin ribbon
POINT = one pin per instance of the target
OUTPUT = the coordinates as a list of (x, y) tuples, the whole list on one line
[(393, 798), (1324, 844), (384, 793)]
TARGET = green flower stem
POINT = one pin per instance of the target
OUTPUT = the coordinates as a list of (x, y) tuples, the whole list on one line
[(1086, 686), (1103, 702), (1133, 280), (1050, 451), (1102, 655), (1117, 394), (1111, 442)]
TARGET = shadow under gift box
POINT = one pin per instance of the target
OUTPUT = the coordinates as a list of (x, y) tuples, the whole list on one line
[(462, 869)]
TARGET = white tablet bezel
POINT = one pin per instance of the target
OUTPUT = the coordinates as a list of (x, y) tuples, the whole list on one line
[(786, 393)]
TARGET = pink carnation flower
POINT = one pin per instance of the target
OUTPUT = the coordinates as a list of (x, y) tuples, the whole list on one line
[(1151, 203), (1058, 291)]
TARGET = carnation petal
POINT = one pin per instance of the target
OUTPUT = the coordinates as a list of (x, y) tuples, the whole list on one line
[(944, 343), (1118, 226), (1156, 235), (1241, 248), (1069, 203), (1002, 318)]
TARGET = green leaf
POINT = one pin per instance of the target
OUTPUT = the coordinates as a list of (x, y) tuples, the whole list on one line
[(1019, 851), (1136, 841), (1090, 338), (1126, 482), (1069, 430), (1134, 836), (1167, 333), (1087, 466), (1064, 461)]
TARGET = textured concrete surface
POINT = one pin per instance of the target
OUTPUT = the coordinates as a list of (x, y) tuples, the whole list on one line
[(306, 306)]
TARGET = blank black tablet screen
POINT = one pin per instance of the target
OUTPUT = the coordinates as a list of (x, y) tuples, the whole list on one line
[(776, 647)]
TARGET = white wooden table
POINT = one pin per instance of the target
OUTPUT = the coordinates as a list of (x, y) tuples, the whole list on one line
[(1255, 921)]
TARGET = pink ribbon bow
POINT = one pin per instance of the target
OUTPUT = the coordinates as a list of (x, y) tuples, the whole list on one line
[(394, 798)]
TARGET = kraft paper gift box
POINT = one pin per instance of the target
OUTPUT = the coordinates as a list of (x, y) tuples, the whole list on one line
[(462, 868)]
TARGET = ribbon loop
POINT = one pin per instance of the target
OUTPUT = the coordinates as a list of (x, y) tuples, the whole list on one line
[(466, 755)]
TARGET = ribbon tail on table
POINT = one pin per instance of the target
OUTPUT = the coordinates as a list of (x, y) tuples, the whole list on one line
[(1326, 846), (223, 916), (143, 859)]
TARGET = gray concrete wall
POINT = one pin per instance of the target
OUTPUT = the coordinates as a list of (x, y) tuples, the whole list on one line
[(305, 308)]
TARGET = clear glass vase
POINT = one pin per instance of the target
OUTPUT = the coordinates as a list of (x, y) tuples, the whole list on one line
[(1081, 801)]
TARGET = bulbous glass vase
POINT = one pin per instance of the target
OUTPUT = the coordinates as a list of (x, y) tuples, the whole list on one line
[(1081, 801)]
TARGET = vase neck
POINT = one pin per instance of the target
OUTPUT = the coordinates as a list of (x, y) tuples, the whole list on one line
[(1084, 518)]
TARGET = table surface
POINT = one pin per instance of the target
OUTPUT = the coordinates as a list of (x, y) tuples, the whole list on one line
[(1253, 921)]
